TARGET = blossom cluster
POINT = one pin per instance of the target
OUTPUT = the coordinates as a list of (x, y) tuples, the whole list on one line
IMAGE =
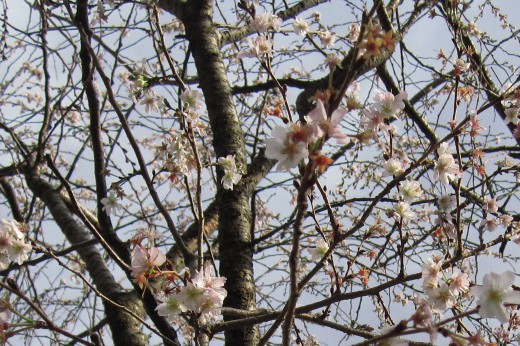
[(493, 295), (201, 294), (13, 246), (443, 293), (385, 107), (289, 144)]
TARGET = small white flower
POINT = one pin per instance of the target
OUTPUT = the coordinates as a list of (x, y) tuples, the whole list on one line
[(445, 168), (410, 190), (393, 167), (320, 250), (287, 146), (512, 114), (227, 163), (326, 38), (110, 202), (441, 297), (231, 175), (301, 27), (230, 178), (170, 307), (494, 293), (388, 104), (193, 98), (403, 211), (263, 22)]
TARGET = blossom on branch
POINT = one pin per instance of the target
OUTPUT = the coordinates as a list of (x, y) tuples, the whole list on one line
[(445, 167), (143, 261), (494, 293), (12, 244), (110, 203), (288, 145), (301, 27), (324, 125), (231, 175)]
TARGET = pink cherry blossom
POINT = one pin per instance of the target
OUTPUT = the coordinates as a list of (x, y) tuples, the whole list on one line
[(459, 283), (143, 261), (265, 21), (328, 126), (491, 206), (388, 104)]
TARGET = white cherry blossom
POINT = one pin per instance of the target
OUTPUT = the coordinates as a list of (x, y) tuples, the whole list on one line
[(494, 293)]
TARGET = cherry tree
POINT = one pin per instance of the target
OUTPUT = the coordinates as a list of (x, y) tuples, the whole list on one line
[(247, 173)]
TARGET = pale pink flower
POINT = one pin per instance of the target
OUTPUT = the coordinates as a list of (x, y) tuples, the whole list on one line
[(410, 190), (170, 307), (204, 294), (423, 313), (505, 220), (446, 168), (227, 163), (230, 178), (288, 146), (192, 297), (491, 206), (444, 149), (388, 104), (18, 251), (373, 120), (441, 297), (431, 272), (259, 47), (402, 210), (512, 114), (327, 39), (231, 174), (353, 32), (327, 126), (332, 60), (301, 27), (12, 244), (490, 224), (151, 102), (495, 292), (460, 66), (143, 261), (193, 99), (459, 283), (265, 21)]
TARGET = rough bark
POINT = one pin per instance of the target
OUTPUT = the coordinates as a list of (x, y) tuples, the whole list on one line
[(233, 206)]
